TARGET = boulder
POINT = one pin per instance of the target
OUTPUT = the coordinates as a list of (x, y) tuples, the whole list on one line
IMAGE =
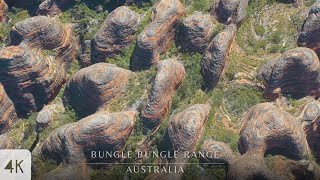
[(73, 143), (79, 172), (44, 117), (157, 36), (195, 32), (30, 79), (218, 152), (7, 111), (296, 73), (52, 7), (48, 34), (267, 129), (3, 11), (116, 34), (214, 58), (231, 11), (310, 31), (94, 87), (170, 75)]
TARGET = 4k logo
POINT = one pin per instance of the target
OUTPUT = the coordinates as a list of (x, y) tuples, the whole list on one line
[(17, 165)]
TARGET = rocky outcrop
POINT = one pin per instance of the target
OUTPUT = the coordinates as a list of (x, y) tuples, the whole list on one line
[(296, 73), (5, 142), (30, 79), (214, 59), (117, 33), (79, 172), (311, 114), (52, 7), (310, 32), (7, 111), (48, 34), (216, 152), (170, 74), (298, 3), (195, 32), (94, 87), (270, 130), (44, 117), (3, 11), (103, 131), (231, 11), (158, 36)]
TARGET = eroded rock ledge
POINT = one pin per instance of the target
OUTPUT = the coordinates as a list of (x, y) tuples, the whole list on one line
[(7, 111)]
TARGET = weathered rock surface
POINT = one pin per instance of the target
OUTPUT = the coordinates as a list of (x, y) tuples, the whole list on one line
[(52, 7), (103, 131), (170, 74), (79, 172), (310, 32), (186, 127), (296, 73), (214, 59), (94, 87), (195, 32), (231, 11), (48, 34), (5, 142), (117, 33), (43, 119), (3, 11), (158, 36), (270, 130), (215, 148), (30, 79), (7, 111)]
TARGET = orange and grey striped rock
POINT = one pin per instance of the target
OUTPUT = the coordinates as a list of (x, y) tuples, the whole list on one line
[(7, 111), (103, 131), (52, 7), (296, 73), (195, 32), (30, 79), (48, 34), (218, 152), (3, 11), (231, 11), (115, 35), (270, 130), (170, 75), (214, 59), (94, 87), (157, 36)]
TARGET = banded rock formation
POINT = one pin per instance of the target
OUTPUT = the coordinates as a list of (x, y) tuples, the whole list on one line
[(269, 130), (117, 33), (280, 76), (215, 148), (94, 87), (30, 79), (214, 59), (170, 75), (231, 11), (46, 33), (103, 131), (3, 11), (195, 32), (52, 7), (158, 36), (7, 111), (310, 32)]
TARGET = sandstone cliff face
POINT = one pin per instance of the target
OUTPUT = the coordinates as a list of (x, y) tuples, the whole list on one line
[(195, 32), (117, 33), (231, 11), (103, 131), (46, 33), (310, 32), (186, 127), (30, 79), (94, 87), (281, 76), (158, 36), (214, 58), (269, 130), (3, 11), (52, 7), (170, 74), (215, 148), (7, 111)]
